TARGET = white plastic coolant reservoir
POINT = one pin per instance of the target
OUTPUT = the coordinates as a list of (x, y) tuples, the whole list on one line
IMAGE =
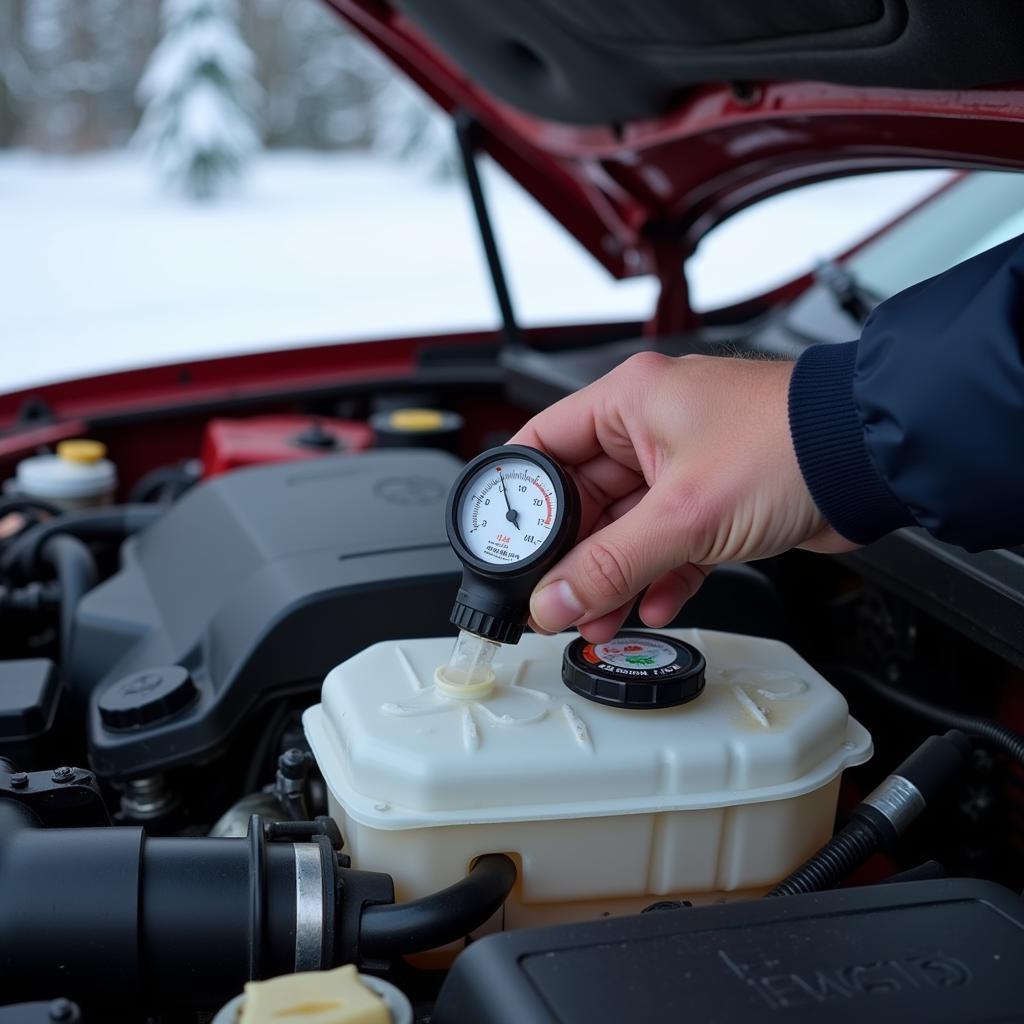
[(604, 809), (79, 475)]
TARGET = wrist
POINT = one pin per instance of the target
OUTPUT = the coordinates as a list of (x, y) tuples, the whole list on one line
[(831, 447)]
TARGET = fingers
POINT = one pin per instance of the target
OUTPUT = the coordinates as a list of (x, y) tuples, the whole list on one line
[(590, 421), (567, 430), (617, 509), (601, 630), (602, 483), (614, 511), (661, 603), (666, 596), (606, 570)]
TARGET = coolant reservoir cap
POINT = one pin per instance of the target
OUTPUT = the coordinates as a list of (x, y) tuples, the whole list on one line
[(145, 697), (82, 450), (636, 670)]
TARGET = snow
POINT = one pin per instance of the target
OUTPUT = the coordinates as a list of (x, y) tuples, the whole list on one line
[(101, 271)]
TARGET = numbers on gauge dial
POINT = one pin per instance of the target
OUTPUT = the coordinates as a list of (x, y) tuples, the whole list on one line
[(507, 511)]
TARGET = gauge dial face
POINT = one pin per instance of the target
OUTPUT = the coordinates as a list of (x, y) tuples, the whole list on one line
[(507, 511)]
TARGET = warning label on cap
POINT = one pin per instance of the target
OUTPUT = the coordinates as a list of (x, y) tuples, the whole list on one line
[(634, 655)]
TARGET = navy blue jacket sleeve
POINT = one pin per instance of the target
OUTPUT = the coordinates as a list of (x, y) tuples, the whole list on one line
[(921, 421)]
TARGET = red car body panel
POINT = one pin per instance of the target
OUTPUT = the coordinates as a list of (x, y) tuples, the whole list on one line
[(623, 192), (169, 405)]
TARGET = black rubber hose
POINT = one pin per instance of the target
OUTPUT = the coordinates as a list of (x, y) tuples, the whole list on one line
[(878, 821), (22, 555), (841, 855), (113, 918), (986, 729), (23, 504), (442, 917), (165, 483), (76, 572)]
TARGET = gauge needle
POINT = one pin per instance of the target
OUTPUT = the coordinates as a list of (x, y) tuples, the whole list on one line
[(511, 515)]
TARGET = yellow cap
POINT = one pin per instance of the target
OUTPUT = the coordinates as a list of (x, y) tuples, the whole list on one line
[(415, 420), (315, 997), (81, 449)]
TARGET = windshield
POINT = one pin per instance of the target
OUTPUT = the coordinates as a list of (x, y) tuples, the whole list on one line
[(980, 211), (975, 212)]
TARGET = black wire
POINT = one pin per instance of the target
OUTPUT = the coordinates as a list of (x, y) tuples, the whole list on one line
[(1006, 740), (112, 522), (165, 483), (839, 857), (76, 572), (16, 503)]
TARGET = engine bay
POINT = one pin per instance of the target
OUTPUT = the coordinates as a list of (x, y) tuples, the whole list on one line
[(229, 753)]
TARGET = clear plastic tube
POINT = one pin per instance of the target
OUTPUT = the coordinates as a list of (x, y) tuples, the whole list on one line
[(469, 667)]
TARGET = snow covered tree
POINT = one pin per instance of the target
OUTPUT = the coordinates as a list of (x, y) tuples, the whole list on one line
[(199, 94)]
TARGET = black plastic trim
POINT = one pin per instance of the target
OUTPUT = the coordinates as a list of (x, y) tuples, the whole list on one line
[(981, 595)]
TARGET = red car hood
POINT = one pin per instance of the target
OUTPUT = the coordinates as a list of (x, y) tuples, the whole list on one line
[(640, 124)]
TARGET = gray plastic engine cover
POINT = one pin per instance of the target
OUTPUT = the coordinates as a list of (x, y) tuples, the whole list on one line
[(260, 581)]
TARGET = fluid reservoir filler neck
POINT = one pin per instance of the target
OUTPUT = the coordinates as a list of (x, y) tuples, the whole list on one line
[(469, 673)]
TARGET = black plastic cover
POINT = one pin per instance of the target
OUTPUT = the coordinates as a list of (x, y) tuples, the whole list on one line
[(29, 692), (258, 582), (603, 61), (939, 951)]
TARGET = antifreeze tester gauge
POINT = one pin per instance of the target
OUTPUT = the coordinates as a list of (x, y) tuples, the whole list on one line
[(512, 514)]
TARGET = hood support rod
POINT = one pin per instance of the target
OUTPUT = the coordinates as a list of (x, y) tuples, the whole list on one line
[(465, 131)]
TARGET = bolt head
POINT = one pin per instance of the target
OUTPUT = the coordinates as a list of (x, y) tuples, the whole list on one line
[(292, 763), (19, 780), (63, 774)]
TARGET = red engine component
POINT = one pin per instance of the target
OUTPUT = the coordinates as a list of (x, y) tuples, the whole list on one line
[(231, 444)]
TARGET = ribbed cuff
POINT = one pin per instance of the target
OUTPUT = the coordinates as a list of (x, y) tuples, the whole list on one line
[(828, 436)]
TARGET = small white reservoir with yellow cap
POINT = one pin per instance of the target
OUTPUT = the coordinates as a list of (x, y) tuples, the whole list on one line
[(78, 475)]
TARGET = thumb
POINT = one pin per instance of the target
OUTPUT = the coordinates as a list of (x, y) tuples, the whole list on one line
[(609, 568)]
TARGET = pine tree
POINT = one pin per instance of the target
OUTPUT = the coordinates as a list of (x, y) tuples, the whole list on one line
[(199, 94)]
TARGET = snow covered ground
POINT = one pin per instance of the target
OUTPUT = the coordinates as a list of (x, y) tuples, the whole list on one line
[(100, 271)]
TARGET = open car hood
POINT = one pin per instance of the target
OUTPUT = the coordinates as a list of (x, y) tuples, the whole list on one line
[(640, 124)]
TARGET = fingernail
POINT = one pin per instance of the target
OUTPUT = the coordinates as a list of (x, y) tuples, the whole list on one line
[(556, 607)]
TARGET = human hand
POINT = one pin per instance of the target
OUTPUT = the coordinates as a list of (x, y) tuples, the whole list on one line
[(682, 464)]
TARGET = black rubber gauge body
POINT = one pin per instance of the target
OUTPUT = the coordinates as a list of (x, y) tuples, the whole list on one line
[(512, 514)]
